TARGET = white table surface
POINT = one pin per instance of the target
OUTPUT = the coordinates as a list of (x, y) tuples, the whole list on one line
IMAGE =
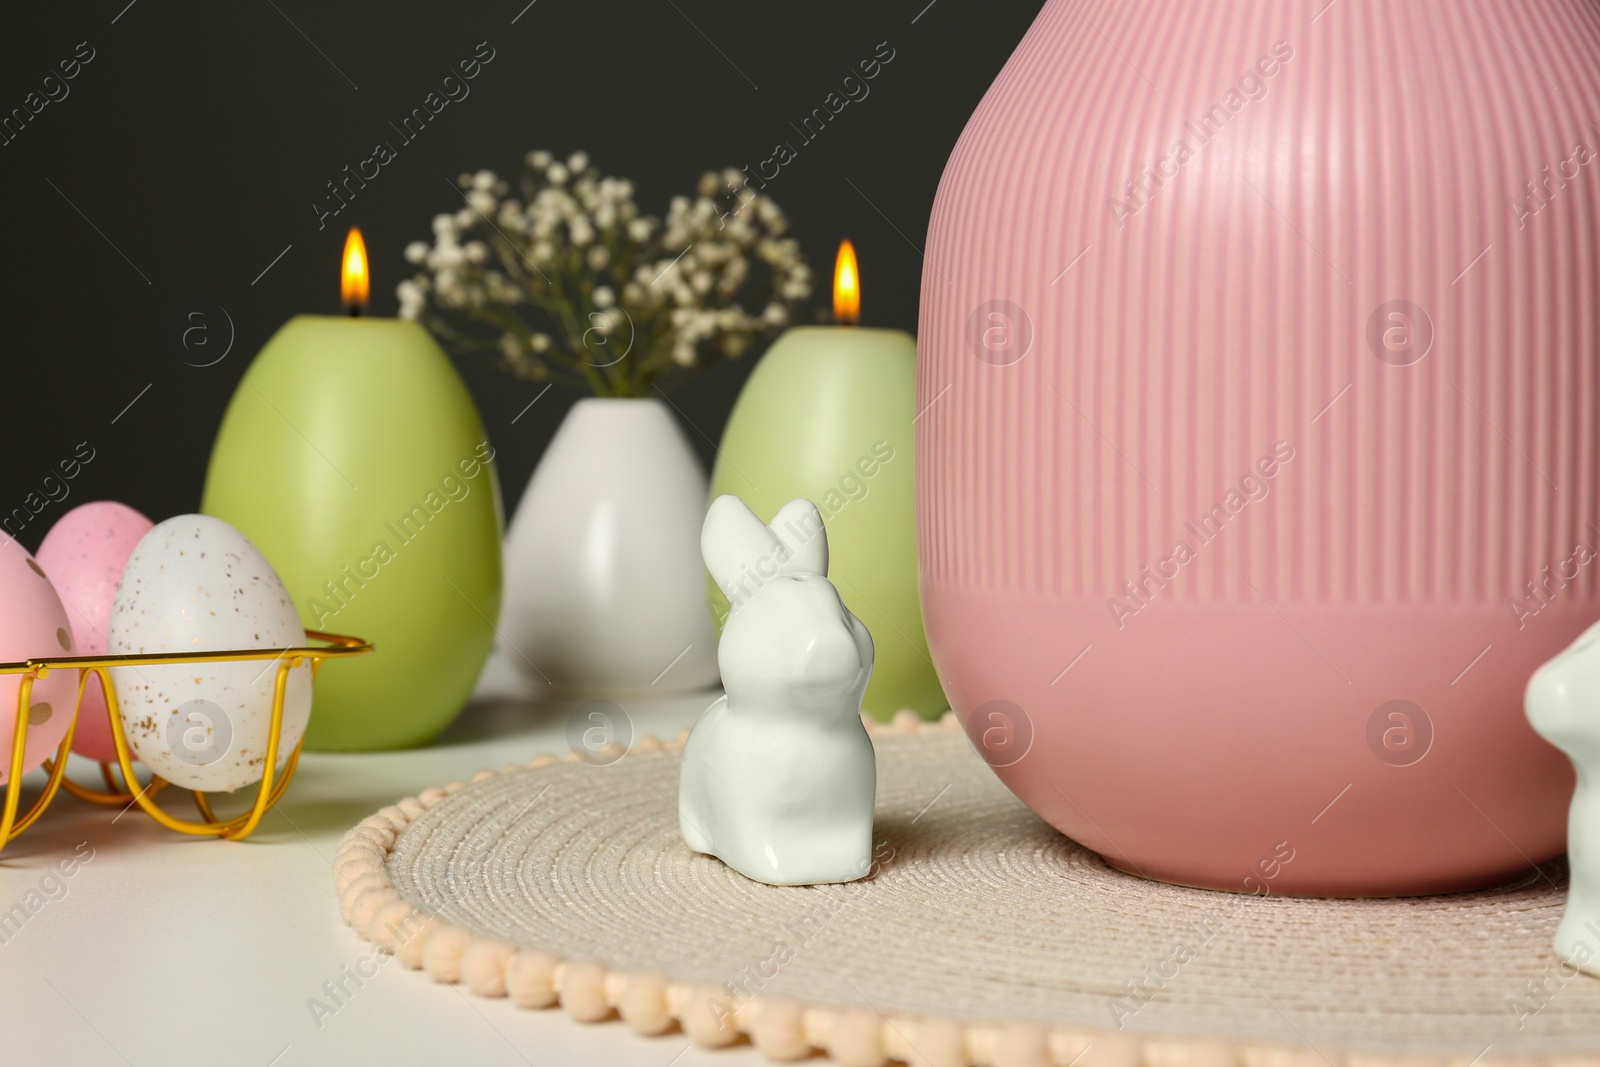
[(168, 949)]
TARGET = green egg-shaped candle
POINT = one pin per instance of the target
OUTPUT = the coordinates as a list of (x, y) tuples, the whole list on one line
[(827, 414), (353, 457)]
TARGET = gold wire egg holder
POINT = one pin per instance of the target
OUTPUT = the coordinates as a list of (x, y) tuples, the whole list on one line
[(127, 793)]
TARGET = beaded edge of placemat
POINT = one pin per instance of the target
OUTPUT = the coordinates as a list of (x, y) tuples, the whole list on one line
[(781, 1028)]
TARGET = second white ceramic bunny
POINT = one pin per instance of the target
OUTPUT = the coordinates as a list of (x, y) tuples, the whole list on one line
[(1563, 705), (779, 776)]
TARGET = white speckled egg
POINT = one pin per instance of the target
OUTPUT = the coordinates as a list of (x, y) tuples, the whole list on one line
[(196, 584)]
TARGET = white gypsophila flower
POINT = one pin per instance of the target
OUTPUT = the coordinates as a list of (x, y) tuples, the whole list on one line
[(448, 289), (573, 254), (411, 298), (446, 256), (663, 276), (503, 290), (733, 276)]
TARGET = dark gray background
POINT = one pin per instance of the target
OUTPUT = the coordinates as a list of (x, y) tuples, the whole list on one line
[(188, 154)]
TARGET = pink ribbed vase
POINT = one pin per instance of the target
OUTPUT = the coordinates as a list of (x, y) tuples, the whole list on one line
[(1260, 367)]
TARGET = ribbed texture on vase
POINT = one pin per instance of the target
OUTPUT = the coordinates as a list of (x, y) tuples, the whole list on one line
[(1222, 311)]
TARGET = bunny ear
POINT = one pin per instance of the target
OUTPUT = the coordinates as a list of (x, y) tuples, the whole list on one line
[(732, 542), (798, 525)]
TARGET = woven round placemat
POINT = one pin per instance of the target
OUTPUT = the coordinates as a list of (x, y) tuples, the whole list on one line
[(982, 937)]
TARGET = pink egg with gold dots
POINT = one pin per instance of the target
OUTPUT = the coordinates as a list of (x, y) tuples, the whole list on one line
[(33, 625), (84, 554)]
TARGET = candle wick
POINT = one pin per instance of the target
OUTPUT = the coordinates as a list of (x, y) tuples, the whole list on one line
[(355, 311)]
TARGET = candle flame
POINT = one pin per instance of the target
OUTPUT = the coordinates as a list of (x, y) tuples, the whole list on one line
[(846, 286), (354, 283)]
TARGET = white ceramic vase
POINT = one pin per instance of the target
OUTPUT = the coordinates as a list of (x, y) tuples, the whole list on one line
[(604, 587)]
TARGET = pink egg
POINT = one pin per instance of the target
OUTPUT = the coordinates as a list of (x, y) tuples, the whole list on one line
[(33, 626), (84, 554)]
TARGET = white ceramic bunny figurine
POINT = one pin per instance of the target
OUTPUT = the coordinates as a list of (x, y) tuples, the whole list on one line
[(779, 776), (1563, 704)]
